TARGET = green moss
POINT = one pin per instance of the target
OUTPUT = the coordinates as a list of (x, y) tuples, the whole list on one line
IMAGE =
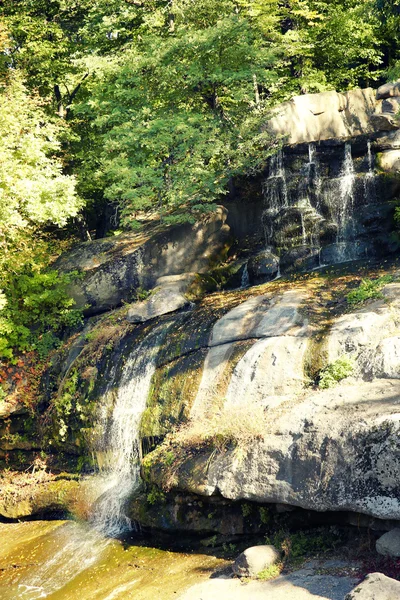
[(172, 393)]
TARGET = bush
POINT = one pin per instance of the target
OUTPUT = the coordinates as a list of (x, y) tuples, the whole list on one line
[(335, 372), (368, 288), (35, 307)]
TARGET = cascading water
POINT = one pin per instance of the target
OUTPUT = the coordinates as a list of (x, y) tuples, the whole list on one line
[(120, 446), (370, 179), (345, 221), (245, 280), (310, 183), (345, 248), (275, 194)]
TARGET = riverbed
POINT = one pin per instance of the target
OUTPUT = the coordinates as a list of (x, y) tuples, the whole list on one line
[(61, 560)]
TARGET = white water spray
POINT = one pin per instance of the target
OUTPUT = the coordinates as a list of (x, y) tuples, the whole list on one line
[(121, 445), (275, 193), (346, 197)]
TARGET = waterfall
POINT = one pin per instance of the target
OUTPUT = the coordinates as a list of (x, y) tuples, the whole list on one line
[(303, 229), (369, 179), (245, 281), (275, 193), (120, 472), (345, 209), (310, 183)]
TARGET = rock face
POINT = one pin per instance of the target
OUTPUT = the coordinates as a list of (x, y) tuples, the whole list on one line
[(389, 544), (376, 586), (328, 115), (41, 498), (116, 269), (333, 449), (254, 560)]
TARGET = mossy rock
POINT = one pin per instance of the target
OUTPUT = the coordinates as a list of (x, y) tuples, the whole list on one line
[(18, 502)]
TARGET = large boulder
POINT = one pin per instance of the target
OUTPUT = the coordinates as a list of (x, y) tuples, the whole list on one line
[(263, 266), (333, 115), (254, 560), (315, 117), (388, 90), (389, 161), (119, 269), (376, 586), (389, 544)]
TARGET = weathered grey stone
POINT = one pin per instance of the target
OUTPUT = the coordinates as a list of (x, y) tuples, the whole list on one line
[(389, 161), (315, 117), (261, 317), (389, 544), (384, 121), (271, 371), (263, 266), (335, 449), (376, 586), (115, 268), (313, 582), (254, 560), (165, 299), (301, 258), (391, 105), (388, 90)]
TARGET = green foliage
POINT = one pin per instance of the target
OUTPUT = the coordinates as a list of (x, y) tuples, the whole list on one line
[(335, 372), (397, 210), (37, 308), (155, 496), (368, 289), (304, 544), (265, 515), (246, 509), (270, 572)]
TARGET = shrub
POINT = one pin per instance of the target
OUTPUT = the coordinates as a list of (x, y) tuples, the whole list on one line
[(335, 372), (368, 288), (270, 572)]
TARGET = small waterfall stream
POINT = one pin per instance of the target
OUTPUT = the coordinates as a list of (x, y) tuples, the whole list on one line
[(345, 220), (275, 194), (120, 447), (370, 177)]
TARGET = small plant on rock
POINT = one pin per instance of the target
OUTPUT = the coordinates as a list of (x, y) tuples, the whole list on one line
[(270, 572), (368, 289), (333, 373)]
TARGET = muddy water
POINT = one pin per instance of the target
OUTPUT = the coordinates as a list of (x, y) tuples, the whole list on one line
[(62, 560)]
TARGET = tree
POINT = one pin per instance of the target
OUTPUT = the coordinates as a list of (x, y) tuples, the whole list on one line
[(33, 193)]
